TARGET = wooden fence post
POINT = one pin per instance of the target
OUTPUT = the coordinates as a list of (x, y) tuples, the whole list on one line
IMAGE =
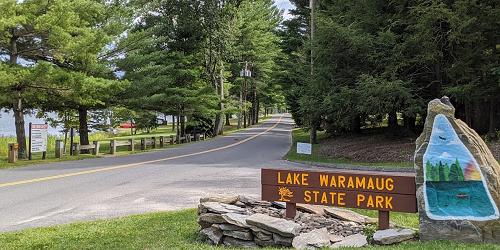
[(97, 145), (76, 148), (143, 143), (13, 148), (162, 141), (59, 148), (112, 146), (131, 146)]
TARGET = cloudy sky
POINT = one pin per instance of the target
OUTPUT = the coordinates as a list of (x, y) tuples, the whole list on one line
[(284, 5)]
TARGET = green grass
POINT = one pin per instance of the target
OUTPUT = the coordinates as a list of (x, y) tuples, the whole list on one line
[(400, 219), (165, 230), (37, 159), (300, 135)]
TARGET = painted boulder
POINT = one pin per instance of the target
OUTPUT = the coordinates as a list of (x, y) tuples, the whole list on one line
[(458, 180)]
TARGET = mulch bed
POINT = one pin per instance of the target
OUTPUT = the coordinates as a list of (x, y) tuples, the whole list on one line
[(376, 148)]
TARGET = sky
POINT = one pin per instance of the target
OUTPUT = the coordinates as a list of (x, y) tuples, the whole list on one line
[(284, 5)]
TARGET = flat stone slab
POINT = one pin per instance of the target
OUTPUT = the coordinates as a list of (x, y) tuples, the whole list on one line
[(212, 233), (227, 199), (210, 218), (233, 242), (317, 238), (356, 240), (242, 235), (348, 215), (313, 209), (393, 235), (220, 208), (276, 225), (281, 240), (236, 219), (229, 227)]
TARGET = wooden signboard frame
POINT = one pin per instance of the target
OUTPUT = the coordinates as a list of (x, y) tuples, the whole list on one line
[(30, 153), (352, 189)]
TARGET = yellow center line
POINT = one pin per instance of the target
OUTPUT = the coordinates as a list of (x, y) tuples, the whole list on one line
[(14, 183)]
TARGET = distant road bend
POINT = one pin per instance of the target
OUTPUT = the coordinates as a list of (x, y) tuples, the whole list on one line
[(167, 179)]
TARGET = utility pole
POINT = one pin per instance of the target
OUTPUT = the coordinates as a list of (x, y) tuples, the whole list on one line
[(311, 6), (313, 131), (245, 73)]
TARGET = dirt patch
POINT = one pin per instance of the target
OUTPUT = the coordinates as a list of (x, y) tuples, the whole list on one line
[(376, 148)]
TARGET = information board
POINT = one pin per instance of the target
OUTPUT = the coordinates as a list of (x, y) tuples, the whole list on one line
[(38, 138), (304, 148)]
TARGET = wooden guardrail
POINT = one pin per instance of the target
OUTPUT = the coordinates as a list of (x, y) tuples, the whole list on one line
[(145, 143), (113, 144), (93, 148)]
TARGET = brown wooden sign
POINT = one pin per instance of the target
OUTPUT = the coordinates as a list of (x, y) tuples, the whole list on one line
[(358, 189)]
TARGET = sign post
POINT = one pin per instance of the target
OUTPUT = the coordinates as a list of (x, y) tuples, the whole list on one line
[(37, 140), (361, 189)]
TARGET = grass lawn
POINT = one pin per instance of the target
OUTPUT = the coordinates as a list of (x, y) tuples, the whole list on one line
[(300, 135), (165, 230)]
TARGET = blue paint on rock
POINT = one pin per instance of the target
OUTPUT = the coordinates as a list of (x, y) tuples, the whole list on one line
[(454, 187)]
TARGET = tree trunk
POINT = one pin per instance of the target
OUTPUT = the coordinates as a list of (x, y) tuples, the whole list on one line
[(131, 127), (178, 133), (240, 106), (244, 118), (257, 112), (393, 120), (313, 133), (409, 123), (219, 122), (83, 127), (183, 125), (18, 104), (228, 117), (173, 123), (437, 84), (19, 121)]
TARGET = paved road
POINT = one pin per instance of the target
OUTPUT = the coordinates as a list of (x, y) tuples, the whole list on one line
[(169, 179)]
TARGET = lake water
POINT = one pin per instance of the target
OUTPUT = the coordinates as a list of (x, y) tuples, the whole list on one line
[(8, 127), (458, 198)]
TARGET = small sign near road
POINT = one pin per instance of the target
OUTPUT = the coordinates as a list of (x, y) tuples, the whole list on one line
[(304, 148), (38, 139)]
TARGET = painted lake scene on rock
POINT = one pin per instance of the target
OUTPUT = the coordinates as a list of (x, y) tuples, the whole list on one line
[(454, 186)]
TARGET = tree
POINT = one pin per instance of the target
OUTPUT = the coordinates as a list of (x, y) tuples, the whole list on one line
[(375, 61), (257, 49), (164, 62), (59, 33)]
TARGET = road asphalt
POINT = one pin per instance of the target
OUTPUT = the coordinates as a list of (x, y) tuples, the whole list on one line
[(168, 179)]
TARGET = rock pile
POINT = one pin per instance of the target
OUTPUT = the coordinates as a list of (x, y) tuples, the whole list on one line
[(242, 221)]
